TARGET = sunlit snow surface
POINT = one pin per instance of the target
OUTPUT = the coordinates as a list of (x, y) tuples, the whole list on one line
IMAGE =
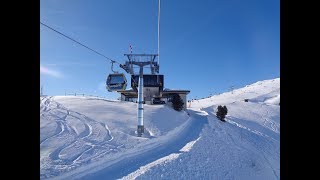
[(91, 138)]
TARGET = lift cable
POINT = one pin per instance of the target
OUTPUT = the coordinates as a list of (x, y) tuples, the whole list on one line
[(159, 32), (113, 61)]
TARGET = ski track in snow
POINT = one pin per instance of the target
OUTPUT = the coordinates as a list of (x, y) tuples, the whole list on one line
[(147, 167), (151, 152), (95, 135), (228, 134), (160, 161), (267, 123), (262, 150), (95, 140)]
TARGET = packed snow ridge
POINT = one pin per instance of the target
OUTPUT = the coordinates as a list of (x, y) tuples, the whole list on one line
[(94, 138)]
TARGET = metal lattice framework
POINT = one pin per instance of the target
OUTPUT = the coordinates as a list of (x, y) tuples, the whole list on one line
[(140, 60)]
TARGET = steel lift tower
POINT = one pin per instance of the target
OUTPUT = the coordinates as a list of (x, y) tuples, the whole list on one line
[(140, 60)]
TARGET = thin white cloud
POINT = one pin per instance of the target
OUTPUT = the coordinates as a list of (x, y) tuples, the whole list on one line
[(50, 72)]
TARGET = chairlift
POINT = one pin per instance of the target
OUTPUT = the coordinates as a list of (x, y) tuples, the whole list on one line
[(116, 81)]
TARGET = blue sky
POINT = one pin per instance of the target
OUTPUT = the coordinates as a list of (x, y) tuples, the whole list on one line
[(206, 46)]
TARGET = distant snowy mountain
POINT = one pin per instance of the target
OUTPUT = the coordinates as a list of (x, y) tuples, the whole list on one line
[(92, 138)]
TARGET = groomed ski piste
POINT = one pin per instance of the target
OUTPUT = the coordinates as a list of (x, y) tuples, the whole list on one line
[(93, 138)]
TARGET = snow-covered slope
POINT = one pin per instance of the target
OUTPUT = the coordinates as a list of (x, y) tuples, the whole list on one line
[(78, 131), (247, 146), (267, 92), (90, 138)]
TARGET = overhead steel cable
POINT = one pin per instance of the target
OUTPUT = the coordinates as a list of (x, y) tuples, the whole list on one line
[(112, 61), (78, 42), (159, 32)]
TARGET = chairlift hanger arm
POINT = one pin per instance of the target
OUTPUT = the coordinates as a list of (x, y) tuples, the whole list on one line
[(116, 72)]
